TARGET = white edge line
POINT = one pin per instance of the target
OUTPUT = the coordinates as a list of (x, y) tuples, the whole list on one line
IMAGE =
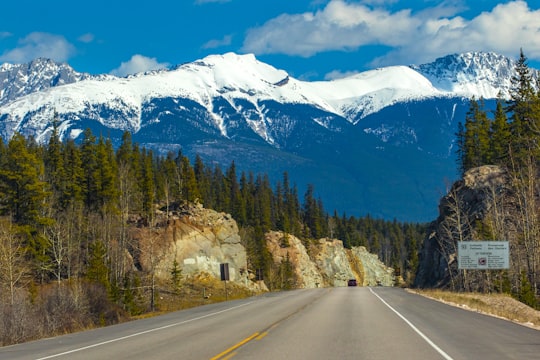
[(141, 333), (428, 340)]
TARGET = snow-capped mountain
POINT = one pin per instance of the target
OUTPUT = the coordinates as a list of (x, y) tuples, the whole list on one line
[(367, 142), (471, 74), (22, 79)]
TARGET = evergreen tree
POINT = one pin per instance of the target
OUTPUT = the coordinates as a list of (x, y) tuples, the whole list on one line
[(54, 166), (147, 184), (23, 191), (202, 176), (124, 154), (190, 189), (412, 260), (526, 292), (235, 201), (476, 141), (176, 276), (461, 150), (500, 136), (97, 270), (168, 174), (247, 188), (263, 202), (107, 176), (91, 183), (313, 218), (525, 121), (74, 175)]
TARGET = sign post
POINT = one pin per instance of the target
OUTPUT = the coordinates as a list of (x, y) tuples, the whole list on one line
[(483, 255), (224, 270)]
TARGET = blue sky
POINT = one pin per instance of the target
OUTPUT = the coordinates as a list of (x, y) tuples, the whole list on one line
[(310, 39)]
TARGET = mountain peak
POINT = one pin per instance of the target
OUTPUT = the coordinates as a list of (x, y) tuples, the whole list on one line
[(349, 134), (470, 62), (18, 80), (233, 71), (482, 74)]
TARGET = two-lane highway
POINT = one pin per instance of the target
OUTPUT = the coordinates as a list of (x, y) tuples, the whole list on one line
[(333, 323)]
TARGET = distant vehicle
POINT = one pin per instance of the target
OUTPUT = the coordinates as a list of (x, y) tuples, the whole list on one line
[(352, 282)]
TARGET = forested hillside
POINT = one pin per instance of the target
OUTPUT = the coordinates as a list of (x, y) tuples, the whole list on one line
[(498, 197), (66, 209)]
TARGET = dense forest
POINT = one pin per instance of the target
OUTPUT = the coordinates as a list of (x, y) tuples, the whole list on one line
[(509, 138), (66, 209)]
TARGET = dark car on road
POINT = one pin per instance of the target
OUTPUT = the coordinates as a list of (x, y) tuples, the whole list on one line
[(352, 282)]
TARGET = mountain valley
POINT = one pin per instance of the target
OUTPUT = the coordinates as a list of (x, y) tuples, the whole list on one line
[(380, 142)]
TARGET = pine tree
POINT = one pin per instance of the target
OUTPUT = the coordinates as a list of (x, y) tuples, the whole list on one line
[(74, 175), (247, 188), (147, 184), (20, 183), (97, 270), (91, 183), (176, 277), (54, 165), (107, 177), (169, 174), (461, 150), (500, 136), (475, 142), (236, 203), (312, 214), (190, 190), (526, 293), (525, 122), (202, 176), (263, 202)]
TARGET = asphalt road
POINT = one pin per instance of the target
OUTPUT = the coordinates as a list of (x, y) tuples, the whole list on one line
[(334, 323)]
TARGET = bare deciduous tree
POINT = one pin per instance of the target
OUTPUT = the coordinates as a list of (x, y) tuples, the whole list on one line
[(13, 265)]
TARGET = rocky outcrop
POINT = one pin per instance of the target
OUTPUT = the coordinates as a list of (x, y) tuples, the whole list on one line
[(484, 195), (375, 272), (284, 246), (328, 263), (333, 262), (199, 240)]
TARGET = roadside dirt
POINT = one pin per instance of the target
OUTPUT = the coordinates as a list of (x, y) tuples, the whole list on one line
[(498, 305)]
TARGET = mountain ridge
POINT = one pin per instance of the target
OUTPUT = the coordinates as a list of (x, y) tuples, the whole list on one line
[(365, 135)]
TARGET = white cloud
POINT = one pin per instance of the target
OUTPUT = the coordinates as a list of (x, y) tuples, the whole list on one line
[(413, 37), (5, 34), (337, 74), (138, 64), (212, 44), (86, 38), (38, 44)]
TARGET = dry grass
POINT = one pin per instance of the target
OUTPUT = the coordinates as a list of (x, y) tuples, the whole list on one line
[(499, 305), (197, 291)]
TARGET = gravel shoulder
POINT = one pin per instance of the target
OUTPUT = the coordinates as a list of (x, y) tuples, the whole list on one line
[(498, 305)]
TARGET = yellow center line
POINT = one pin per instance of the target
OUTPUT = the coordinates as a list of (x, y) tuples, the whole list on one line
[(262, 335), (228, 354), (232, 348)]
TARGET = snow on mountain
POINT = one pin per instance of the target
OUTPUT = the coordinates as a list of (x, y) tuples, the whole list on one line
[(470, 74), (40, 74), (231, 76), (360, 95), (30, 93), (377, 142)]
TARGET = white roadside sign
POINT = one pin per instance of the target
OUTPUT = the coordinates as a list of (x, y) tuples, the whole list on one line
[(481, 255)]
